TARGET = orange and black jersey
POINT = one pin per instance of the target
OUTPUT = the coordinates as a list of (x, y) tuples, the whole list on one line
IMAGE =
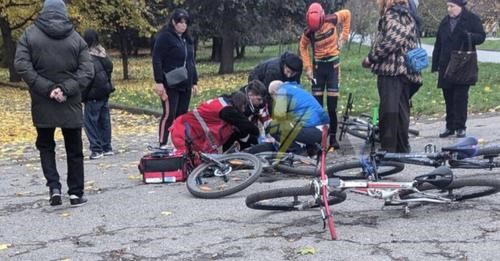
[(326, 38)]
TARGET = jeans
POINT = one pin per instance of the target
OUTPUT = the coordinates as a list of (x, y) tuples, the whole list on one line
[(97, 124), (74, 157)]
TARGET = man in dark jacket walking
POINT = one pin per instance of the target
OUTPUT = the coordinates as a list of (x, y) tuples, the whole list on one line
[(53, 60), (454, 33)]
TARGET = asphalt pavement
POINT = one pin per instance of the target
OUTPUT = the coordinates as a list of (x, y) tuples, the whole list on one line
[(128, 220)]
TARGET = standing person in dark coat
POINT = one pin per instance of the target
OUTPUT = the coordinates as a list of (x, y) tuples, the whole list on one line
[(174, 46), (96, 116), (453, 34), (54, 61)]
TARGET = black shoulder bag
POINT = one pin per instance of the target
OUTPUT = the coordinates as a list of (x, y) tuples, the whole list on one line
[(462, 68), (179, 74)]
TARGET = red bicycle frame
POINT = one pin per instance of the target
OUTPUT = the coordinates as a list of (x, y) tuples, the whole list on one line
[(325, 210)]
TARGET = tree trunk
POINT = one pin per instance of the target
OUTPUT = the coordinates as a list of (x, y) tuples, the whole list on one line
[(227, 56), (9, 49), (229, 40), (124, 51), (216, 49)]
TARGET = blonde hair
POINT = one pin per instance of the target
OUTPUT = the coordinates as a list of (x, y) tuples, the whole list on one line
[(383, 5)]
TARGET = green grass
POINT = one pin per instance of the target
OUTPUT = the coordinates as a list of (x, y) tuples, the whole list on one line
[(138, 91), (488, 45)]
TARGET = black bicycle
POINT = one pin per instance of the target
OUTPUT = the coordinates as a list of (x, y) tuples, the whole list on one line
[(219, 175), (439, 186), (360, 127)]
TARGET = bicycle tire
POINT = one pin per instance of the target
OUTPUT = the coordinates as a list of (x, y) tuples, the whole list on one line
[(413, 132), (203, 183), (298, 164), (488, 151), (353, 169), (274, 199), (463, 188), (360, 131)]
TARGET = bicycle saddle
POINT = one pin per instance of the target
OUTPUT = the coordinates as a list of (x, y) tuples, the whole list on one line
[(440, 177), (465, 148)]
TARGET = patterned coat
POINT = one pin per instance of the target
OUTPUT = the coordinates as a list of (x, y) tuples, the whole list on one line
[(397, 34)]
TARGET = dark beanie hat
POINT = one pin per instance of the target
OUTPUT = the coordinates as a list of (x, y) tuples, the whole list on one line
[(458, 2), (293, 61), (179, 14)]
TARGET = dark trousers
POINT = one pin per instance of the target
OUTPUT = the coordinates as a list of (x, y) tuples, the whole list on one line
[(74, 157), (176, 105), (327, 75), (456, 99), (97, 124), (394, 113)]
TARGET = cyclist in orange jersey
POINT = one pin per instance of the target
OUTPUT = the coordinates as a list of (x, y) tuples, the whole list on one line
[(324, 68)]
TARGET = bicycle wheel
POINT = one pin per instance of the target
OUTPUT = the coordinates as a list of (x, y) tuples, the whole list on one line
[(290, 199), (289, 163), (459, 189), (208, 181), (361, 131), (353, 169), (488, 151), (413, 132), (357, 130)]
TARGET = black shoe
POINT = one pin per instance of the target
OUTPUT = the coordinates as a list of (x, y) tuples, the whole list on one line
[(446, 133), (77, 201), (333, 142), (55, 197), (461, 133)]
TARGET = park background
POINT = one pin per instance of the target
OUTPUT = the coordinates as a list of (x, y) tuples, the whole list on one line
[(232, 36)]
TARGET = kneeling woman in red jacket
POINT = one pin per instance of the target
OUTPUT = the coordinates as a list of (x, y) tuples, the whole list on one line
[(213, 123)]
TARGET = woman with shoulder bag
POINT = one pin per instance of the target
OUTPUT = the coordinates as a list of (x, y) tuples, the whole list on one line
[(397, 35), (96, 117), (459, 30), (174, 70)]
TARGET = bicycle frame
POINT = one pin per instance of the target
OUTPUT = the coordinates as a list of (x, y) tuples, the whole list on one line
[(389, 191)]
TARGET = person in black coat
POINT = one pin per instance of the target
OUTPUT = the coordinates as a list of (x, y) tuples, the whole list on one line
[(286, 68), (54, 61), (174, 48), (96, 115), (453, 34)]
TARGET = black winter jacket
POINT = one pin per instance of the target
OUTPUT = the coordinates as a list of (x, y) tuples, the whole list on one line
[(271, 70), (52, 54), (101, 87), (447, 41), (169, 53)]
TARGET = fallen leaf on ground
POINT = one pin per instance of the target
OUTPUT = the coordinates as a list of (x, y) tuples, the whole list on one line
[(4, 246), (308, 250), (65, 214), (166, 213)]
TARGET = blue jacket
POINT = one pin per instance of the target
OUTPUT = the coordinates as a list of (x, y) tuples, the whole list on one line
[(295, 104)]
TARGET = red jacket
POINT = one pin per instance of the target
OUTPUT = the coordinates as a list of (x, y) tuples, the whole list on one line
[(219, 130)]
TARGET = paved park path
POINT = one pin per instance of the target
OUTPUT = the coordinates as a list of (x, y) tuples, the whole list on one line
[(482, 56), (128, 220)]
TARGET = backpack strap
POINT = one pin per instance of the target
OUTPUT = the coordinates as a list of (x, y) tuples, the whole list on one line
[(205, 128)]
